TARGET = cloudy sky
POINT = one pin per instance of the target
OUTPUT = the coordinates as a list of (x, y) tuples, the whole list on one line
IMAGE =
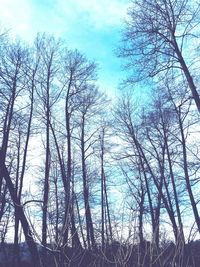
[(92, 26)]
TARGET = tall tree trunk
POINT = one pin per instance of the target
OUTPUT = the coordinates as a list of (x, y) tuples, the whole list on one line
[(47, 173), (107, 209), (187, 177), (187, 74), (167, 206), (76, 244), (89, 224), (153, 220), (140, 217), (20, 186), (69, 208), (8, 121), (16, 258), (19, 209), (102, 192), (174, 189)]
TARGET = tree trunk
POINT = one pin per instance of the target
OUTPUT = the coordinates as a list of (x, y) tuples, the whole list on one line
[(187, 75), (174, 190), (89, 224), (19, 209), (47, 173), (187, 178), (170, 212)]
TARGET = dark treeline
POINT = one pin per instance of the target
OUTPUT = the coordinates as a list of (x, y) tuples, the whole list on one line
[(85, 181)]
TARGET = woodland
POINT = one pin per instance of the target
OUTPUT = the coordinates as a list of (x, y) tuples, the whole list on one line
[(86, 180)]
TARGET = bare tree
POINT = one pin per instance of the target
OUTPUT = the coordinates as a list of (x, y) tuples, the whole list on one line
[(182, 111), (76, 72), (90, 105), (30, 71), (48, 48), (132, 134), (13, 83), (156, 38), (106, 227)]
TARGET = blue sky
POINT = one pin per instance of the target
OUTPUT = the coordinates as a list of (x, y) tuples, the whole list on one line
[(93, 27)]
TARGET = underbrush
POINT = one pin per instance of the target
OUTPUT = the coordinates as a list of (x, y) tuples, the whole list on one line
[(114, 254)]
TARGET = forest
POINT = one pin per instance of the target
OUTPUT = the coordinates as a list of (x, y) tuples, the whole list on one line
[(91, 180)]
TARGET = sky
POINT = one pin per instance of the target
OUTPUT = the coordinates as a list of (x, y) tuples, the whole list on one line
[(93, 27)]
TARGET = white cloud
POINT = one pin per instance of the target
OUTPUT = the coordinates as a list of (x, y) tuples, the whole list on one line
[(27, 17), (99, 14), (15, 16)]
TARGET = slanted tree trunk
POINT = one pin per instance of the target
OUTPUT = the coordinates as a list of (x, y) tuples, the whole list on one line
[(187, 74), (19, 210), (19, 187), (167, 205), (75, 239), (186, 172), (174, 189)]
